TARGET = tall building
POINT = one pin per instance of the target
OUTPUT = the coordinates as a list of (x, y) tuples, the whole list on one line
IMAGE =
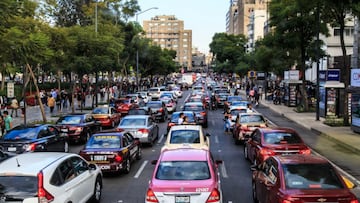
[(255, 28), (232, 17), (168, 32)]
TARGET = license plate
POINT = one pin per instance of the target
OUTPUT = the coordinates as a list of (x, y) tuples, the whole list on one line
[(104, 167), (99, 158), (65, 130), (12, 149), (182, 199)]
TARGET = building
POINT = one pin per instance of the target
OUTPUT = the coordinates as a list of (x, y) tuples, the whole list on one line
[(231, 18), (255, 28), (198, 61), (168, 32)]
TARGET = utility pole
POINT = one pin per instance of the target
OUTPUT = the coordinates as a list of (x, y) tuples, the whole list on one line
[(317, 62)]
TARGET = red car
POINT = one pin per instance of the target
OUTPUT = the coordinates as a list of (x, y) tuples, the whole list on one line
[(123, 105), (107, 116), (299, 178), (266, 142), (245, 124), (113, 151)]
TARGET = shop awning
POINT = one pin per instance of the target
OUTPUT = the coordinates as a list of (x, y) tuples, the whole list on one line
[(334, 84)]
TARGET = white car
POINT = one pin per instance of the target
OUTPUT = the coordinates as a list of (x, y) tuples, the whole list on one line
[(144, 96), (181, 136), (54, 177)]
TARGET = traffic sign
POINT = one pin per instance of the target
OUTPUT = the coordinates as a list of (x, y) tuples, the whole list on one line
[(252, 74)]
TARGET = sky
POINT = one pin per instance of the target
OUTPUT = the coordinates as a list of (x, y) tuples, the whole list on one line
[(203, 17)]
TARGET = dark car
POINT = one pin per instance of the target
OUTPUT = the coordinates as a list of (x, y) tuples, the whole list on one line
[(140, 111), (299, 178), (200, 111), (266, 142), (173, 120), (31, 138), (78, 126), (112, 151), (158, 109)]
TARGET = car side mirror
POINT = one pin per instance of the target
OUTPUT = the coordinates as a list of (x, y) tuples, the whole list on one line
[(92, 166)]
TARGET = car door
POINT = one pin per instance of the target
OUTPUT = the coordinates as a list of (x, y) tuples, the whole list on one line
[(267, 181), (253, 146), (133, 148), (55, 142), (150, 126), (47, 140), (92, 125)]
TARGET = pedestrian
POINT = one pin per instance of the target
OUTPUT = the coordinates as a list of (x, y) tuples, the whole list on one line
[(51, 103), (14, 107), (227, 121), (181, 118), (58, 103), (2, 125), (8, 121)]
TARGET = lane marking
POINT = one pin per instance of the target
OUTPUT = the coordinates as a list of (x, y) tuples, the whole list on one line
[(223, 170), (160, 139), (216, 139), (140, 169)]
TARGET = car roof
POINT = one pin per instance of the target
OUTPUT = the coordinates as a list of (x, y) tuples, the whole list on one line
[(31, 163), (184, 154), (250, 113), (186, 127), (237, 107), (300, 159), (277, 129)]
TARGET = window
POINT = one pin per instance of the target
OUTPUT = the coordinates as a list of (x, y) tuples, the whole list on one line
[(67, 171), (183, 170), (185, 136), (80, 166)]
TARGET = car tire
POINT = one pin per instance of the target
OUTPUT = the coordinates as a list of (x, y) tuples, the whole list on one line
[(139, 154), (66, 147), (254, 193), (246, 155), (96, 197), (127, 167)]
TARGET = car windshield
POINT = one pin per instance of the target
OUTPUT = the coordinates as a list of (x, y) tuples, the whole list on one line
[(175, 117), (193, 108), (154, 105), (133, 121), (21, 133), (311, 176), (252, 119), (69, 120), (185, 136), (281, 138), (100, 111), (18, 187), (239, 103), (183, 170), (137, 112), (103, 141)]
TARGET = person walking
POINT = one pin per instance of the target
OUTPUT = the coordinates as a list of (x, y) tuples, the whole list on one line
[(14, 107), (51, 103), (7, 121)]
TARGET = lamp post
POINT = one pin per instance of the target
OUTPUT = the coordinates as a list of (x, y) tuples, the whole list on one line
[(137, 49)]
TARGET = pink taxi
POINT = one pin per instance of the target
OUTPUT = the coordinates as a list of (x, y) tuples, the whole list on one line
[(185, 175)]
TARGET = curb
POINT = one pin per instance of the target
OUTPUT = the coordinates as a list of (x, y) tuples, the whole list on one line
[(341, 143)]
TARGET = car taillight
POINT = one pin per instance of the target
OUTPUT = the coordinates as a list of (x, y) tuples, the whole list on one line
[(118, 158), (30, 147), (267, 152), (245, 128), (161, 110), (203, 113), (120, 129), (305, 151), (76, 129), (214, 196), (43, 195), (143, 130), (286, 201), (354, 201), (150, 196)]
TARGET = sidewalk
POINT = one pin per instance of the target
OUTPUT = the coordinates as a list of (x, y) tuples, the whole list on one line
[(344, 136)]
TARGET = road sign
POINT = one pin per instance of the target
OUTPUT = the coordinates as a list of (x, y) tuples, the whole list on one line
[(252, 74), (10, 90)]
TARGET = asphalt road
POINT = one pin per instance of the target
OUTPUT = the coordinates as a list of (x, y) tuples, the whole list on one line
[(235, 170)]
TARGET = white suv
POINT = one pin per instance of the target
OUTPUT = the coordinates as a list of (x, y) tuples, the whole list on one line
[(49, 177)]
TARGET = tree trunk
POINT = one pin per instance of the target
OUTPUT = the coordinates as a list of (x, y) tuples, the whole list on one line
[(305, 101), (37, 93), (346, 74)]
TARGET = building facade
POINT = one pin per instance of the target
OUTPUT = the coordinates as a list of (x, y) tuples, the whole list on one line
[(255, 28), (168, 32), (232, 18)]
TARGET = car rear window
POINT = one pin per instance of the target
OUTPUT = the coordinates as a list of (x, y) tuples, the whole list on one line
[(185, 136), (103, 141), (137, 112), (18, 187), (27, 133), (154, 105), (251, 119), (69, 120), (311, 176), (100, 111), (281, 138), (175, 117), (183, 170), (193, 108), (133, 121)]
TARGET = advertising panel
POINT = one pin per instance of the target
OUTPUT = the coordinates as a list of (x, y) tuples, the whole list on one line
[(355, 77)]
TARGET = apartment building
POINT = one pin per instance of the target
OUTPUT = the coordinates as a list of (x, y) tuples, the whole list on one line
[(168, 32), (232, 18)]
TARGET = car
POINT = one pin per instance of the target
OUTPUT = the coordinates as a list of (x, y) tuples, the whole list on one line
[(158, 109), (197, 98), (78, 126), (187, 135), (34, 138), (299, 178), (173, 120), (245, 124), (266, 142), (106, 115), (140, 111), (198, 87), (122, 105), (144, 96), (155, 92), (170, 105), (5, 155), (230, 100), (49, 177), (234, 111), (185, 175), (177, 91), (143, 127), (200, 111), (168, 95), (112, 151), (243, 103), (221, 98)]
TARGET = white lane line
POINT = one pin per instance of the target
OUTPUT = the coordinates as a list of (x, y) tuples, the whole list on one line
[(223, 170), (216, 139), (140, 169), (160, 139)]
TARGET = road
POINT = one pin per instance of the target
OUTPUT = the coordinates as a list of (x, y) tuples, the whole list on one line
[(235, 170)]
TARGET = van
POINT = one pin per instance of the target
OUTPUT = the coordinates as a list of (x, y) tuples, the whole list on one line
[(155, 92)]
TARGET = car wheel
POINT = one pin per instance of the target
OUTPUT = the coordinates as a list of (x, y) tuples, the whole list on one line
[(139, 154), (66, 147), (246, 155), (127, 166), (254, 193), (96, 197)]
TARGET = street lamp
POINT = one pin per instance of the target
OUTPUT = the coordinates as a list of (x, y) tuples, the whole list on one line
[(137, 49)]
